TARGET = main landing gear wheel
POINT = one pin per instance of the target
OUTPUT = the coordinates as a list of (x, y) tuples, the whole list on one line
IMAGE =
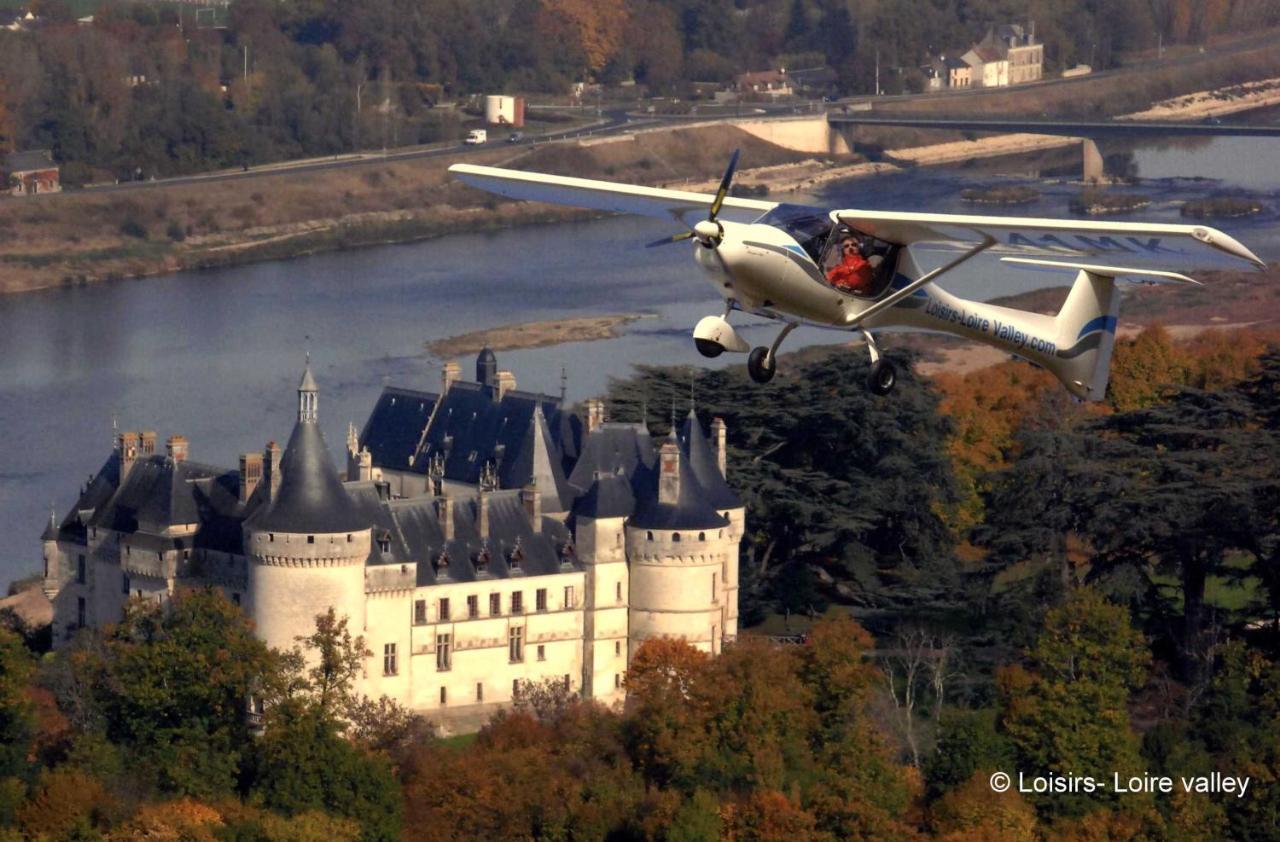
[(882, 378), (760, 365), (708, 347)]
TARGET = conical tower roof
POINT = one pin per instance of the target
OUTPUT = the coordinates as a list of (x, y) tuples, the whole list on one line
[(702, 460), (310, 498)]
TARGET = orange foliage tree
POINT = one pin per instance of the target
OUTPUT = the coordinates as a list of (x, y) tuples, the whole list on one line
[(974, 811), (594, 26)]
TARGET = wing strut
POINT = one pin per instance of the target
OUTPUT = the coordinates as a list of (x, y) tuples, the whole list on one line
[(885, 303)]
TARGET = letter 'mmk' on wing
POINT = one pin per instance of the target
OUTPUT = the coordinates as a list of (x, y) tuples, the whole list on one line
[(1134, 241), (606, 195)]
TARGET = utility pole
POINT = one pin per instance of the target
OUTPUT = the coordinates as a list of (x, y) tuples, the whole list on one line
[(877, 71)]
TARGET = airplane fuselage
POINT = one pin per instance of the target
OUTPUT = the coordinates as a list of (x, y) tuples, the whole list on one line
[(764, 271)]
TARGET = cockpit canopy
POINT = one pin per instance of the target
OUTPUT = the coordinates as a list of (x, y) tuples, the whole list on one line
[(822, 239)]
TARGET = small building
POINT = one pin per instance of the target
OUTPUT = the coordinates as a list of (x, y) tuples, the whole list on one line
[(814, 81), (990, 70), (958, 72), (1018, 46), (32, 172), (765, 83)]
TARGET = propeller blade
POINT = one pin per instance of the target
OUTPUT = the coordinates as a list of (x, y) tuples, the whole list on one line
[(724, 185), (665, 241)]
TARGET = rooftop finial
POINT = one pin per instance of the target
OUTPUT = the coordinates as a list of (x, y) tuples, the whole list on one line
[(308, 395)]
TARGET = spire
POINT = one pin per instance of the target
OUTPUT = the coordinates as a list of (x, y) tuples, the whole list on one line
[(308, 396), (51, 531)]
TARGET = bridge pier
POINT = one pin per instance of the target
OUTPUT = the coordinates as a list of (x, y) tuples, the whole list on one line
[(1093, 166)]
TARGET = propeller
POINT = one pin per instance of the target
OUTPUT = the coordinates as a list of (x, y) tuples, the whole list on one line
[(708, 231)]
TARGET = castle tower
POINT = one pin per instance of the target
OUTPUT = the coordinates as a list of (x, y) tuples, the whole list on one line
[(599, 518), (308, 544), (682, 549)]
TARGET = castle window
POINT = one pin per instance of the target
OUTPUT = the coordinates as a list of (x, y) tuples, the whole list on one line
[(617, 539), (311, 539), (515, 644), (419, 612), (81, 570), (444, 652), (517, 602), (714, 592), (618, 592), (479, 692), (515, 688), (675, 537), (702, 536), (444, 610), (271, 536), (648, 536), (617, 647), (473, 607), (542, 652), (721, 533), (384, 544), (124, 584), (540, 599), (495, 604), (444, 695), (567, 685), (389, 665), (235, 598), (80, 613), (568, 597), (350, 537)]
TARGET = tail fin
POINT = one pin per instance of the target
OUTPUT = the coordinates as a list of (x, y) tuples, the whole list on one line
[(1086, 335)]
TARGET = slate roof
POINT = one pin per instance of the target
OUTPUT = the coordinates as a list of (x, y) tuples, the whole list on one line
[(691, 510), (157, 493), (512, 547), (35, 159), (701, 458), (610, 495), (310, 497), (396, 425)]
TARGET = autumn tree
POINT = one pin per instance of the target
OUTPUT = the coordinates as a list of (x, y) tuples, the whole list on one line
[(1066, 712)]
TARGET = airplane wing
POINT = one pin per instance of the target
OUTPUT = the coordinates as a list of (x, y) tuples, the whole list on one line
[(607, 195), (1142, 241), (1149, 276)]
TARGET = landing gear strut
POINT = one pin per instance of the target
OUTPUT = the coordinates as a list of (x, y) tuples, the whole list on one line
[(762, 363), (883, 375)]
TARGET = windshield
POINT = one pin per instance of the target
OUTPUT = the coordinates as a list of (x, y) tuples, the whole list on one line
[(807, 226)]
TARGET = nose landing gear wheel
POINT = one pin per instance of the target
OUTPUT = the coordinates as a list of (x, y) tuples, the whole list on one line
[(882, 378), (708, 347), (760, 365)]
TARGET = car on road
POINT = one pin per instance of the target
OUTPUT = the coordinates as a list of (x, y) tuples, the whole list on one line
[(515, 137), (476, 137)]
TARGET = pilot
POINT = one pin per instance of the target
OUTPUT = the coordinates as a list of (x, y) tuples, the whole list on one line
[(854, 272)]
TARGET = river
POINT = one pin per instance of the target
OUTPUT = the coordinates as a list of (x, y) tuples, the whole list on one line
[(216, 355)]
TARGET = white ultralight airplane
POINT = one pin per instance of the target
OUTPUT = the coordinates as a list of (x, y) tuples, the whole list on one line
[(774, 260)]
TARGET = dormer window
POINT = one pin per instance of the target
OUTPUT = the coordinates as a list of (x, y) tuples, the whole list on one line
[(384, 544), (442, 563), (482, 561), (515, 558)]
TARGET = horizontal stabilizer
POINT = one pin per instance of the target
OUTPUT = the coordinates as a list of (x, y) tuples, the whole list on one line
[(606, 195), (1150, 275)]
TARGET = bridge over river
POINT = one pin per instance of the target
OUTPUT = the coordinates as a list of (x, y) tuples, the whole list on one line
[(1089, 132)]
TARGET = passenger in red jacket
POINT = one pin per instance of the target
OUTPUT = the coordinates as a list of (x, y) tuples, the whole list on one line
[(853, 273)]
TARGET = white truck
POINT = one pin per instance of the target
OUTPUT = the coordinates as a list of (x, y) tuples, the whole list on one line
[(476, 137)]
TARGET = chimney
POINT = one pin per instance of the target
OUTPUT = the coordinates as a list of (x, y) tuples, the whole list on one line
[(718, 433), (444, 514), (531, 499), (450, 374), (506, 383), (127, 451), (176, 448), (595, 414), (147, 443), (250, 474), (272, 469), (669, 473), (482, 515)]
